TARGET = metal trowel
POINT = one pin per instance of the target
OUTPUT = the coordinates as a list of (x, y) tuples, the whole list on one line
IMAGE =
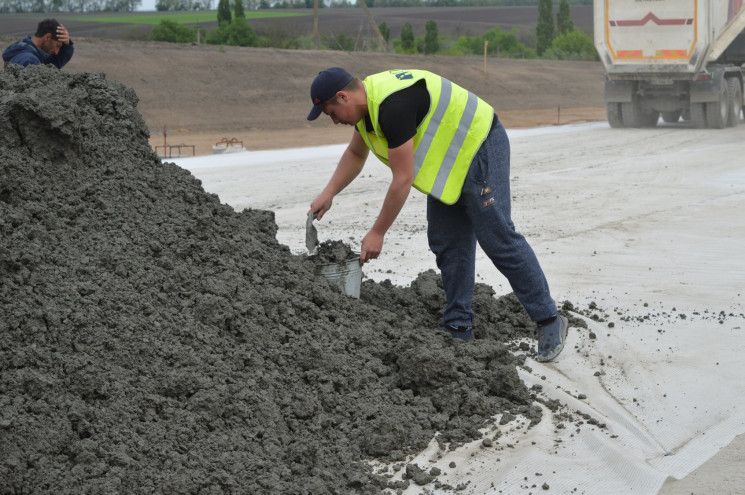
[(311, 234)]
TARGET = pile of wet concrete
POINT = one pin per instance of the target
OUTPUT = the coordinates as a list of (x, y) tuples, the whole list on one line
[(154, 340)]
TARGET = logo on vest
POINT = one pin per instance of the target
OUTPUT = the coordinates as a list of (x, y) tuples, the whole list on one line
[(402, 75)]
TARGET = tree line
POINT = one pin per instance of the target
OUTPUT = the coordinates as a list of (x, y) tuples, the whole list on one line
[(553, 39), (301, 4), (51, 6)]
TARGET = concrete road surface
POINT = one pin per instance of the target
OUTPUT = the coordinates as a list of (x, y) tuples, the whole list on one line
[(646, 223)]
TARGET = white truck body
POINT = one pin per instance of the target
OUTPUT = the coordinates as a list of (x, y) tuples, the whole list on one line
[(672, 57)]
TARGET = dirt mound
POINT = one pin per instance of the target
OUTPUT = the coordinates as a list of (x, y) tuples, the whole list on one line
[(156, 340)]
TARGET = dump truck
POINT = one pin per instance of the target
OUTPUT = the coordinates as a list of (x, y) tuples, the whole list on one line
[(672, 58)]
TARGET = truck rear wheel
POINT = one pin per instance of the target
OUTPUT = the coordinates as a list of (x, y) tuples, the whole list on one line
[(613, 110), (630, 114), (698, 115), (637, 114), (717, 112), (735, 102)]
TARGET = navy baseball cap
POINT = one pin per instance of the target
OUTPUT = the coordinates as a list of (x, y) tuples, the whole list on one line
[(325, 86)]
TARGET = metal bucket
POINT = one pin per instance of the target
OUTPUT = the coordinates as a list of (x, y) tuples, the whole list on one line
[(346, 275)]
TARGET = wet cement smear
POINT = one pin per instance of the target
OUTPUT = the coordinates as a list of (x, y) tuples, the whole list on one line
[(154, 340), (333, 252)]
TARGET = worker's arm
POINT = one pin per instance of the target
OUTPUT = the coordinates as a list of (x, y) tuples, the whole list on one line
[(349, 167), (63, 35), (66, 50), (401, 161)]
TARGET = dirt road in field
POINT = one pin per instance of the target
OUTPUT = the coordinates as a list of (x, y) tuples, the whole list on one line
[(202, 94)]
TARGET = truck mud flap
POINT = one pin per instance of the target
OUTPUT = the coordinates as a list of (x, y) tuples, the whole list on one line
[(707, 90), (618, 91)]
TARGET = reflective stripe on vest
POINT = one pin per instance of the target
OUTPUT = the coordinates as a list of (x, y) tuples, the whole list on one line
[(446, 140)]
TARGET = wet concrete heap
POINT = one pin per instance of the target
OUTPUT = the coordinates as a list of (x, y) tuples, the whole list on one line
[(153, 340)]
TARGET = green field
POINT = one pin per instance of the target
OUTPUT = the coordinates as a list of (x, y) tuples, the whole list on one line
[(180, 17)]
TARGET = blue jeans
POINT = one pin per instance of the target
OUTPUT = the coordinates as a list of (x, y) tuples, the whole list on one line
[(482, 213)]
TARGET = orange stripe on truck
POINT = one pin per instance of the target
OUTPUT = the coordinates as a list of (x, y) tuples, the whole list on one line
[(672, 54), (629, 54)]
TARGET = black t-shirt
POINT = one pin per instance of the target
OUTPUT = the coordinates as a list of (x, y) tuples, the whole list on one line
[(401, 113)]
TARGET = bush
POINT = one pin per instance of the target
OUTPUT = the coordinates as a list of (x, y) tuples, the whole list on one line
[(237, 33), (407, 40), (172, 32), (385, 31), (272, 37), (501, 42), (224, 16), (431, 45), (544, 30), (564, 22), (340, 42), (574, 45)]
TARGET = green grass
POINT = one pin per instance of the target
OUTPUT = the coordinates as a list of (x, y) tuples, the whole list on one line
[(180, 17)]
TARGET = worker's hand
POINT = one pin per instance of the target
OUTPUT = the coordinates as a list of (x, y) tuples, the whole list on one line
[(321, 205), (372, 245), (62, 35)]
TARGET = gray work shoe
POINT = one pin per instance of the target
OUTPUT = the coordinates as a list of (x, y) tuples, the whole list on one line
[(457, 332), (551, 339)]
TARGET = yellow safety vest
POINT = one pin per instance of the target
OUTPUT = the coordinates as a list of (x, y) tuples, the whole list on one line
[(446, 140)]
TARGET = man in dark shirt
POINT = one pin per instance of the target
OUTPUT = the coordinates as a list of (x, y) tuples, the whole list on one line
[(51, 44), (402, 112), (446, 142)]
